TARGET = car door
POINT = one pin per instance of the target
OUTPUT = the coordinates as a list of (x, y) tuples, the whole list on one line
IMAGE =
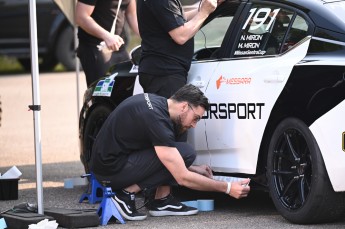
[(207, 43), (243, 89)]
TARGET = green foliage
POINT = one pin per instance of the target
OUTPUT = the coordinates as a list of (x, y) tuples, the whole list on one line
[(9, 65)]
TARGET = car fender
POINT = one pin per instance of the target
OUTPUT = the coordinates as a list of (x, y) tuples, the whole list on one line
[(330, 136), (111, 89), (327, 130)]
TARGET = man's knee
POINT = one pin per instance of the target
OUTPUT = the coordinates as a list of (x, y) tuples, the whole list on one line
[(187, 152)]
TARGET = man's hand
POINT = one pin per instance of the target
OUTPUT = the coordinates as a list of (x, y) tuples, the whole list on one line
[(204, 170), (220, 2), (240, 189), (114, 42), (208, 6)]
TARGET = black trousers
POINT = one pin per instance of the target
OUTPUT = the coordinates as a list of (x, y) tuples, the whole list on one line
[(146, 170), (164, 86), (96, 63)]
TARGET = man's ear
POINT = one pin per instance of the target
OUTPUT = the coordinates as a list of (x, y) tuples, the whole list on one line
[(184, 107)]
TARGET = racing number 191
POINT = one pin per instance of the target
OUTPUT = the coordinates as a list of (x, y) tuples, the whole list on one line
[(260, 17)]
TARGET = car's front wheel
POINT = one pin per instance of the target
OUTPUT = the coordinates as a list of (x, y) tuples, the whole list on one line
[(298, 181), (93, 124)]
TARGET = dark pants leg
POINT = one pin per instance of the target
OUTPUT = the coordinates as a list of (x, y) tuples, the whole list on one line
[(146, 170), (164, 86), (96, 63)]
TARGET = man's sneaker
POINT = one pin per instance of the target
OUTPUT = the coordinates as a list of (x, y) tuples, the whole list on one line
[(125, 203), (170, 206)]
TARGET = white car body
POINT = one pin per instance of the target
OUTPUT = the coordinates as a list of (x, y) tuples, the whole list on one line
[(274, 73)]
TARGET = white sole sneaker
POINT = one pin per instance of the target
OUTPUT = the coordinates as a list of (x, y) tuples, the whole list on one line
[(123, 213)]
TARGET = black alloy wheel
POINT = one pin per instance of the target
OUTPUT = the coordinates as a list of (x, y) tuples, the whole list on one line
[(298, 181), (292, 169)]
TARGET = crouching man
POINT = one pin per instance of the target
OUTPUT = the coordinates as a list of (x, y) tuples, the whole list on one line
[(138, 148)]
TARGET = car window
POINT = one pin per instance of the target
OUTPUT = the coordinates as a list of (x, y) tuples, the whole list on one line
[(212, 34), (209, 38), (298, 31), (264, 31)]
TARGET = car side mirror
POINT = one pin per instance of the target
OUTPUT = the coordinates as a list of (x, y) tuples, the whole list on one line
[(135, 55)]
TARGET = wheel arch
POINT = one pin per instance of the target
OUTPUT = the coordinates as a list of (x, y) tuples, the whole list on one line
[(304, 100)]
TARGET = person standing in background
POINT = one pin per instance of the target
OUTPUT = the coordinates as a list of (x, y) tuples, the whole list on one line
[(167, 34), (95, 19)]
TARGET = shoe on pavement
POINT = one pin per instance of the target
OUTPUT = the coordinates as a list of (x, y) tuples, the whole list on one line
[(170, 206), (125, 203)]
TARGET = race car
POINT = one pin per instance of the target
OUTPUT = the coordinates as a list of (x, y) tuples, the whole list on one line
[(274, 71)]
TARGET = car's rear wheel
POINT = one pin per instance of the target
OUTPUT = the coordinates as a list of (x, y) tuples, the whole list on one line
[(298, 181), (65, 50), (47, 63), (93, 124), (26, 63)]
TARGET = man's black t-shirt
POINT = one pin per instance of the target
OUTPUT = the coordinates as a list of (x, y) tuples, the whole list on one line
[(140, 122), (161, 55), (104, 14)]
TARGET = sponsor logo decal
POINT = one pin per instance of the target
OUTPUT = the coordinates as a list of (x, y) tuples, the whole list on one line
[(105, 87), (232, 81), (235, 110)]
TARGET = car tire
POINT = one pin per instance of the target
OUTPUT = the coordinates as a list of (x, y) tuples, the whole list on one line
[(25, 63), (47, 64), (93, 124), (65, 50), (298, 181)]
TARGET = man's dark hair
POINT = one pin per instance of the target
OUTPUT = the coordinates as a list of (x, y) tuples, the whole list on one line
[(191, 94)]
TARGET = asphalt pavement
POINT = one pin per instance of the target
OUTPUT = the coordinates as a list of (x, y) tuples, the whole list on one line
[(60, 160)]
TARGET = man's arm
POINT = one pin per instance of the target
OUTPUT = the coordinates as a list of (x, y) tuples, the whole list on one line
[(173, 161), (190, 14), (86, 22), (131, 16), (195, 20), (204, 170), (185, 32)]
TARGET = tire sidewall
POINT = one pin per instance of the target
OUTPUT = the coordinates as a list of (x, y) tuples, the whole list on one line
[(319, 179), (65, 51)]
